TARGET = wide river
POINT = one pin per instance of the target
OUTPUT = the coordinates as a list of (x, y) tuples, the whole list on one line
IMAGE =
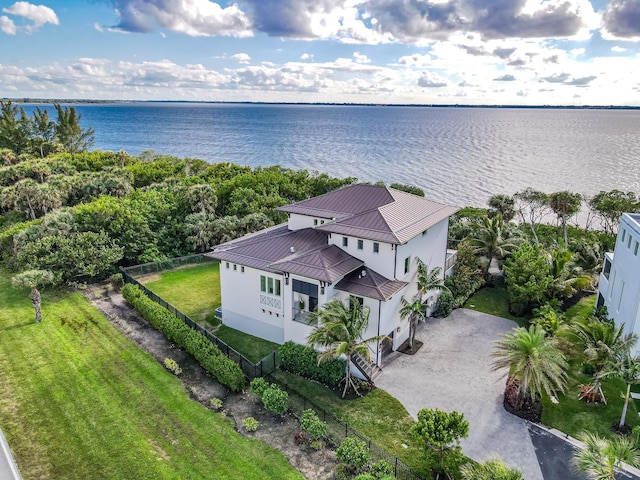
[(457, 155)]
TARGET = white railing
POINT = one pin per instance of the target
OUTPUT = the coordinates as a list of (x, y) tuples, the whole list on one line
[(271, 302)]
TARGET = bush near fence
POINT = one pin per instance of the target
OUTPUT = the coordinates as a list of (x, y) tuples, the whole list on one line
[(303, 361), (226, 371), (338, 430)]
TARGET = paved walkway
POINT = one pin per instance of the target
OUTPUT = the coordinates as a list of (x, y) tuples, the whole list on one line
[(8, 467), (452, 371)]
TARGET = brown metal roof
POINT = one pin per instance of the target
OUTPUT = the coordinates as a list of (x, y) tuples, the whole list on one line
[(368, 283), (327, 264), (397, 221)]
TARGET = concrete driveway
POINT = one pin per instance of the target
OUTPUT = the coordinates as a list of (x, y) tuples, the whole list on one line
[(452, 371)]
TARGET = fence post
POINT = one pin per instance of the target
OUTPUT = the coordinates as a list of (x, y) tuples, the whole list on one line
[(396, 472), (346, 429)]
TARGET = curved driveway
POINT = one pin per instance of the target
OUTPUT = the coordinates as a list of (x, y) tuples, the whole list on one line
[(452, 371)]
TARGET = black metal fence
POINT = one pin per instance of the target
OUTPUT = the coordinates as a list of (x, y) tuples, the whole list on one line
[(338, 430), (251, 370), (153, 267)]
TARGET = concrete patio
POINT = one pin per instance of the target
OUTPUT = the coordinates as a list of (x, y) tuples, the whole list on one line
[(452, 371)]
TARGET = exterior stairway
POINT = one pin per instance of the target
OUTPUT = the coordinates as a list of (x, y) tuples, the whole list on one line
[(371, 371)]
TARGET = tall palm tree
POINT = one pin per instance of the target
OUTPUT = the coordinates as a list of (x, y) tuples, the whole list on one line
[(340, 332), (415, 311), (565, 204), (34, 279), (533, 361), (601, 344), (489, 240), (601, 457), (491, 469)]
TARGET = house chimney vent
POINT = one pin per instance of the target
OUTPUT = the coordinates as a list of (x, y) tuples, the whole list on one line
[(293, 249), (364, 273)]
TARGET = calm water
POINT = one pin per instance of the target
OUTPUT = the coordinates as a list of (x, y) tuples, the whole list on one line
[(457, 155)]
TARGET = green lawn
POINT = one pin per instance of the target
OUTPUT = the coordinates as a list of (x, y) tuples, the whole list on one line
[(253, 348), (494, 301), (80, 400), (378, 416), (192, 290)]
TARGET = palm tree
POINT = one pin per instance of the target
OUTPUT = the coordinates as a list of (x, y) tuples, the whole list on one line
[(416, 311), (489, 240), (534, 362), (626, 368), (601, 457), (567, 277), (34, 279), (491, 469), (565, 204), (601, 343), (339, 332)]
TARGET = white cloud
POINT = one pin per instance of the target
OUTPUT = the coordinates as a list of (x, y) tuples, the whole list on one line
[(361, 58), (618, 49), (7, 26), (431, 80), (38, 14), (306, 56), (241, 58)]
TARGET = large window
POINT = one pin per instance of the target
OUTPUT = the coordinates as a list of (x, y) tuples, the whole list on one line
[(270, 285)]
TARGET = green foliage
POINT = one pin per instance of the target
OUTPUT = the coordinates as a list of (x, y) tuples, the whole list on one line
[(303, 361), (609, 207), (408, 188), (503, 205), (527, 278), (440, 433), (172, 366), (207, 354), (548, 317), (216, 403), (311, 423), (69, 132), (116, 280), (258, 386), (250, 424), (467, 277), (491, 469), (33, 279), (275, 399), (445, 304), (601, 458), (381, 470), (353, 452)]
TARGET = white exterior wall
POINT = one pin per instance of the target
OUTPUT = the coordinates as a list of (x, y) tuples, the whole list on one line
[(298, 222), (246, 308), (381, 262), (430, 247), (621, 291)]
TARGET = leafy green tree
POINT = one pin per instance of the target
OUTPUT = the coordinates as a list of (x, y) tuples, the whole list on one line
[(340, 332), (565, 204), (610, 206), (70, 133), (467, 276), (15, 128), (489, 240), (440, 434), (533, 362), (202, 198), (627, 368), (527, 278), (354, 453), (532, 206), (491, 469), (503, 205), (566, 277), (34, 280), (43, 130), (601, 458)]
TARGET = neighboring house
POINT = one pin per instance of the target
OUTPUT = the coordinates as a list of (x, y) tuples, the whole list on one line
[(619, 288), (360, 241)]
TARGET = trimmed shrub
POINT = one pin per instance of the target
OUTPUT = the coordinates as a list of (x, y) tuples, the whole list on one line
[(216, 403), (258, 386), (353, 453), (444, 307), (172, 366), (250, 424), (303, 361), (225, 370), (275, 400), (381, 470), (311, 424)]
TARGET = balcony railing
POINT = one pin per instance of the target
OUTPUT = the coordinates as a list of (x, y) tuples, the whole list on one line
[(271, 302), (303, 316)]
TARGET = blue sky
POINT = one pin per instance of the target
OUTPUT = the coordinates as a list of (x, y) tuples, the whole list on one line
[(553, 52)]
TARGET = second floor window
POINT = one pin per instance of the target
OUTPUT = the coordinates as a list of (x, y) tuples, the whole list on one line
[(407, 262), (376, 247), (345, 242), (270, 285), (360, 244)]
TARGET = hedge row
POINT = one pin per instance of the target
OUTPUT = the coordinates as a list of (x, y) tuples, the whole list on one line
[(303, 361), (226, 371)]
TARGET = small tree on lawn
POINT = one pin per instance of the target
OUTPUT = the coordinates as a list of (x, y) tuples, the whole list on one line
[(440, 433), (34, 279), (339, 332), (601, 458), (354, 454), (627, 368)]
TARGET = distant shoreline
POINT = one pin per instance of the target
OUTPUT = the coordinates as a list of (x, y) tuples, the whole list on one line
[(67, 101)]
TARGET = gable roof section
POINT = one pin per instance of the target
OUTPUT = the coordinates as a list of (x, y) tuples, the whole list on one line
[(370, 285), (271, 250), (397, 221), (327, 264)]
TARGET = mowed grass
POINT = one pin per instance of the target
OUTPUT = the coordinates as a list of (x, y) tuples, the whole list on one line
[(494, 300), (79, 400), (378, 416), (253, 348), (194, 291)]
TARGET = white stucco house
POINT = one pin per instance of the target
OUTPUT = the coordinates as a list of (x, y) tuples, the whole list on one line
[(619, 288), (360, 241)]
